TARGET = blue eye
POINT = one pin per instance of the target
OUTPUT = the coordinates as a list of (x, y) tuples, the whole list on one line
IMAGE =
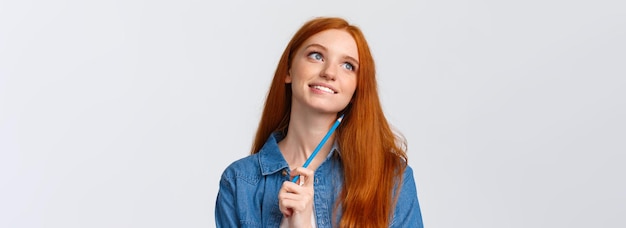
[(348, 66), (315, 55)]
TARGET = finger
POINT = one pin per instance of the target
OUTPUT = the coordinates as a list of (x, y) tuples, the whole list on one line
[(306, 176), (289, 207), (301, 171), (285, 210), (301, 180), (290, 187), (283, 197), (289, 203)]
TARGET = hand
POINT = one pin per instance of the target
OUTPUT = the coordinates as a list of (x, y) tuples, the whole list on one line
[(295, 200)]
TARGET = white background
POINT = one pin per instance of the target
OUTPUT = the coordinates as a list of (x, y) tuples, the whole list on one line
[(125, 113)]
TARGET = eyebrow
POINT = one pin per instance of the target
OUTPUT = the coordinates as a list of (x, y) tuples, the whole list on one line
[(326, 49)]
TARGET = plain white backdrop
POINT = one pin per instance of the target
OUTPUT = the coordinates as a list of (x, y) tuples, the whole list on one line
[(125, 113)]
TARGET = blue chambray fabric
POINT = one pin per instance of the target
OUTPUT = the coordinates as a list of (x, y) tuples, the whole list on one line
[(248, 193)]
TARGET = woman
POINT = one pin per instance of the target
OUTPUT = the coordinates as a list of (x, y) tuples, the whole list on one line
[(359, 178)]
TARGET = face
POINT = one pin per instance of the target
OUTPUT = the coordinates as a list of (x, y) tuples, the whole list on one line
[(323, 72)]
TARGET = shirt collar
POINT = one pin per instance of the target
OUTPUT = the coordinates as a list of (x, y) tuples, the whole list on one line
[(272, 161)]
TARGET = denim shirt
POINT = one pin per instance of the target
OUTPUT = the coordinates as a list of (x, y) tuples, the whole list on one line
[(248, 194)]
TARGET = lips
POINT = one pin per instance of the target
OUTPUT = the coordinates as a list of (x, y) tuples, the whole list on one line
[(323, 88)]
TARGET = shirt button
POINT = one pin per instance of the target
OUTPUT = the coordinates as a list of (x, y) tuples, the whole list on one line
[(284, 172)]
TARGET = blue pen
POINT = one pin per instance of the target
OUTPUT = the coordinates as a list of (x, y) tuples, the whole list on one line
[(319, 146)]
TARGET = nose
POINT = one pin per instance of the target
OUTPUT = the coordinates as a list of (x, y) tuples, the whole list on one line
[(329, 72)]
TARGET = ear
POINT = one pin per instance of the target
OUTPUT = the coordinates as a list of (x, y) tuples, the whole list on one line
[(288, 77)]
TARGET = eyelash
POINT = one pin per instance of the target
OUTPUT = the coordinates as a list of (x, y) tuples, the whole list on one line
[(313, 53), (351, 66)]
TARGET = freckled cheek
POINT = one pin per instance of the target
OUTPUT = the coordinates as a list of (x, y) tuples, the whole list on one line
[(351, 85)]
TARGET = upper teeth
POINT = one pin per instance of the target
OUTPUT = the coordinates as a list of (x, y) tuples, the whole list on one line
[(323, 88)]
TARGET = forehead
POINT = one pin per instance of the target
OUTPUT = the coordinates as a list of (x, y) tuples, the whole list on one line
[(335, 40)]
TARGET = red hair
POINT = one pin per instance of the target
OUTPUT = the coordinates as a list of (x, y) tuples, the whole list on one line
[(374, 157)]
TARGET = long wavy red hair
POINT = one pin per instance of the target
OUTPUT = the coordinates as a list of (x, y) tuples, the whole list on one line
[(374, 157)]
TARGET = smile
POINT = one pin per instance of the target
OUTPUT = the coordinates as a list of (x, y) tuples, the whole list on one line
[(323, 89)]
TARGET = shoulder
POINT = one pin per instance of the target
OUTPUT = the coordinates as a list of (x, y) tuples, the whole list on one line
[(406, 180), (408, 173), (407, 212), (405, 185), (246, 169)]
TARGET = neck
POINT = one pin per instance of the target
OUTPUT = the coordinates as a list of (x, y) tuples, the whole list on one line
[(305, 132)]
